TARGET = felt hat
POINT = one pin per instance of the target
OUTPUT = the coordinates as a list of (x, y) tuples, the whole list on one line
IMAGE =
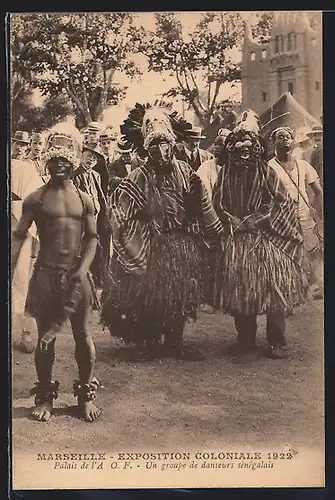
[(21, 136), (123, 146), (94, 149)]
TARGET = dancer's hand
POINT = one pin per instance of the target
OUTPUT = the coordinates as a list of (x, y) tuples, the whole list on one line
[(247, 224), (78, 276), (235, 221)]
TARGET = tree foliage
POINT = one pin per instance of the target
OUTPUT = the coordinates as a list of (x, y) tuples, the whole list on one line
[(26, 116), (76, 54), (261, 30), (205, 56)]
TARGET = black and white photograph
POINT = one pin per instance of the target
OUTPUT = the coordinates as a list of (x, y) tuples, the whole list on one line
[(167, 271)]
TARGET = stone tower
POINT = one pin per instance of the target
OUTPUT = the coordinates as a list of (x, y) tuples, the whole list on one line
[(290, 62)]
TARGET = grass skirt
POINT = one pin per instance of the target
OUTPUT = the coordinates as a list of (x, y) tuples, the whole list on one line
[(146, 307), (254, 277)]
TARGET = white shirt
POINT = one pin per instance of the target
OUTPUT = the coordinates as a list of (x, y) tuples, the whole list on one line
[(24, 181), (307, 175), (208, 173)]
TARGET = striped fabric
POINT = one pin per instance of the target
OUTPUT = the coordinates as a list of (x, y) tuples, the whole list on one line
[(259, 192), (149, 203), (259, 269)]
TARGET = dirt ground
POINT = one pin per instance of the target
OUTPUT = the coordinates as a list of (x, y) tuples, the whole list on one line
[(174, 404)]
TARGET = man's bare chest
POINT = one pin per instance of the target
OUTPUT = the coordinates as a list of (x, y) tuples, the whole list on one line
[(60, 204)]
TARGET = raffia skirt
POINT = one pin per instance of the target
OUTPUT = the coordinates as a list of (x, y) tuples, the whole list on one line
[(136, 308), (254, 277)]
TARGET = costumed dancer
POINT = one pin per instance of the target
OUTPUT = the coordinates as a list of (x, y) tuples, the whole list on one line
[(60, 288), (160, 215), (260, 269)]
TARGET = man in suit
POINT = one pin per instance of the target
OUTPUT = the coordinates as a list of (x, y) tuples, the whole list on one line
[(88, 180), (122, 166), (91, 140), (20, 143), (107, 141), (35, 155), (316, 159), (190, 152)]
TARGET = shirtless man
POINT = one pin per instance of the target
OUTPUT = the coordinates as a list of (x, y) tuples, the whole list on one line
[(60, 288)]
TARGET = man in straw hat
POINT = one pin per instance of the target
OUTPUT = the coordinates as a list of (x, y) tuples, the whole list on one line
[(190, 152), (121, 166), (303, 146), (259, 269), (107, 140), (297, 175), (316, 159), (160, 215), (59, 288), (35, 154)]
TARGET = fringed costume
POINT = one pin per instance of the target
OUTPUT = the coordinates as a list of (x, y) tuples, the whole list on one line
[(259, 270), (160, 217)]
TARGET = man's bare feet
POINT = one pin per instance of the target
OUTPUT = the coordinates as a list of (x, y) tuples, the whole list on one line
[(44, 393), (42, 412), (85, 394), (88, 411)]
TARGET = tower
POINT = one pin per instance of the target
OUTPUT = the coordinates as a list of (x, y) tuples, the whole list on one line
[(290, 62)]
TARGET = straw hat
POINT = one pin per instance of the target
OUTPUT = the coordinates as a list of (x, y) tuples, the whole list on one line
[(316, 130), (302, 134), (195, 133), (107, 135)]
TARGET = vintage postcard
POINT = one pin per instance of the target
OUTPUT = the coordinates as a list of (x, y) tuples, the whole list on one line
[(166, 178)]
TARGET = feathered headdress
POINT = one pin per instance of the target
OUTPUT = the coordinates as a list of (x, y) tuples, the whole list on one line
[(247, 127), (248, 121), (146, 123)]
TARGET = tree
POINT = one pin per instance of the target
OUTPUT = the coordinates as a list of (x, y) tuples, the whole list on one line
[(261, 30), (26, 116), (206, 58), (77, 54)]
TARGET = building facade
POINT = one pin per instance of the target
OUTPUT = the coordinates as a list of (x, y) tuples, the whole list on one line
[(290, 62)]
